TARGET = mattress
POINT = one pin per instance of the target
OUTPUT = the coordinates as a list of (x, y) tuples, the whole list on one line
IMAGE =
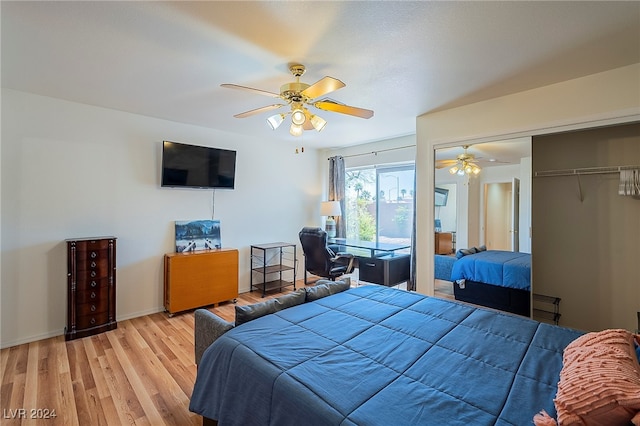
[(497, 267), (374, 355)]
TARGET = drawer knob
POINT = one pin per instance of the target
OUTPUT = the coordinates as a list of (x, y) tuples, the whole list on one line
[(93, 321), (94, 284), (94, 264), (93, 274), (93, 294), (93, 254), (93, 308)]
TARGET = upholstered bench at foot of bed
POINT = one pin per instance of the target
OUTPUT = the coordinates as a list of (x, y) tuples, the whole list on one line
[(209, 326)]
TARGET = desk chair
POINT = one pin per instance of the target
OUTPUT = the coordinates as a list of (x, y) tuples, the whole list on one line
[(319, 259)]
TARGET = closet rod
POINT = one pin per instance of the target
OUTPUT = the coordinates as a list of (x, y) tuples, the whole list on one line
[(376, 152), (584, 171)]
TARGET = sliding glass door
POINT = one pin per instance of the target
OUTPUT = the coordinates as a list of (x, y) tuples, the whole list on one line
[(379, 203)]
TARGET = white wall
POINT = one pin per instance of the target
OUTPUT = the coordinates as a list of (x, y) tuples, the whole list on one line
[(605, 98), (71, 170), (390, 151), (470, 201)]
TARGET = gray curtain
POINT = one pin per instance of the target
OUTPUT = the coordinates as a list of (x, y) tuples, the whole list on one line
[(336, 191), (411, 284)]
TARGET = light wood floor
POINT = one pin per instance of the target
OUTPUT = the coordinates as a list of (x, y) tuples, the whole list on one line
[(142, 373)]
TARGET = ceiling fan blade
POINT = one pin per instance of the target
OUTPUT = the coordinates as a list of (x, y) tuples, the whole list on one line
[(258, 110), (250, 89), (440, 164), (322, 87), (344, 109)]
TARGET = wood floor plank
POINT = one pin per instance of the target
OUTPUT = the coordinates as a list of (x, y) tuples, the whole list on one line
[(141, 373)]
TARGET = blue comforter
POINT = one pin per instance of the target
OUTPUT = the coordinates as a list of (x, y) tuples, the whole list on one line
[(497, 267), (374, 355)]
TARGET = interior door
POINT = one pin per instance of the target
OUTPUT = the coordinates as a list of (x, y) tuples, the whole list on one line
[(501, 218), (515, 215)]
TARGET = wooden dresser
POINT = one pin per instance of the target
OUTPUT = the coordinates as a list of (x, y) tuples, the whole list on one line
[(91, 286), (444, 242), (199, 278)]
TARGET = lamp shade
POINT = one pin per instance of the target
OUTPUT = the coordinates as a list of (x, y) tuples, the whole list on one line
[(295, 130), (297, 117), (275, 120), (318, 122), (330, 208)]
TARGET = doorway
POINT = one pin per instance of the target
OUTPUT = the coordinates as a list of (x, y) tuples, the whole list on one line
[(501, 215)]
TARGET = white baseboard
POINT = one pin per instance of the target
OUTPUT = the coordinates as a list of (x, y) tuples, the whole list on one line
[(60, 332)]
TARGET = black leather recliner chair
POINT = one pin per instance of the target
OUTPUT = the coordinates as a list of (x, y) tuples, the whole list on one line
[(319, 259)]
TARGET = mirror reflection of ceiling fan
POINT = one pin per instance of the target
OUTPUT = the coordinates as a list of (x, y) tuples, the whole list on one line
[(464, 163), (299, 97)]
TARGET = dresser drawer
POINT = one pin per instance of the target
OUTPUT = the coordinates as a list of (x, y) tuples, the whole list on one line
[(100, 265), (88, 284), (371, 269), (92, 296), (92, 320), (88, 245), (93, 308)]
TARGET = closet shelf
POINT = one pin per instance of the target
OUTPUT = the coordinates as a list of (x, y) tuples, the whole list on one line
[(584, 171)]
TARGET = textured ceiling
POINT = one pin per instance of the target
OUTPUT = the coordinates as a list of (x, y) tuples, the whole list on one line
[(400, 59)]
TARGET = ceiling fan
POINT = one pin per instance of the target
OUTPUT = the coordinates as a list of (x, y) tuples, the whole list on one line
[(464, 163), (299, 96)]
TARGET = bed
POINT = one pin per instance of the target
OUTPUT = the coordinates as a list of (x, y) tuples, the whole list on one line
[(374, 355), (494, 278)]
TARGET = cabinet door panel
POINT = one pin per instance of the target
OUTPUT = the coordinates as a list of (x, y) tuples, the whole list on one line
[(194, 280)]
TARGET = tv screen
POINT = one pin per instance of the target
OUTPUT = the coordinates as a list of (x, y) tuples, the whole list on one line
[(441, 196), (194, 166)]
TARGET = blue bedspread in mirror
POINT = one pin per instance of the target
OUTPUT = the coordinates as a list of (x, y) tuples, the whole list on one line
[(497, 267), (374, 355)]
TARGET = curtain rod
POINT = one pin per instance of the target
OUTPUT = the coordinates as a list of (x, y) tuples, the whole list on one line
[(375, 152), (584, 171)]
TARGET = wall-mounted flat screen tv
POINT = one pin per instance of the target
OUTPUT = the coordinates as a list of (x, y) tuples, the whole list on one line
[(192, 166), (441, 196)]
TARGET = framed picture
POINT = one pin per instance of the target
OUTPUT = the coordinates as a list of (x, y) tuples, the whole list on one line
[(197, 235)]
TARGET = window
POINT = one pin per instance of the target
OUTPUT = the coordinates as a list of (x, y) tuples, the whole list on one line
[(379, 203)]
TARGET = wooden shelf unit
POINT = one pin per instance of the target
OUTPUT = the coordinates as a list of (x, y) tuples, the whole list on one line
[(200, 278)]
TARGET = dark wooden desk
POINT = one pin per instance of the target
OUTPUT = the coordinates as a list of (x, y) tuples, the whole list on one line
[(383, 265)]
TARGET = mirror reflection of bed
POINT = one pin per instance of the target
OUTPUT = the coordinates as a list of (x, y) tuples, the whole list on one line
[(483, 209)]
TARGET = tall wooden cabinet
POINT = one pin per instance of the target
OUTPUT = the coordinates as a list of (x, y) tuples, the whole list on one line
[(91, 286), (199, 278)]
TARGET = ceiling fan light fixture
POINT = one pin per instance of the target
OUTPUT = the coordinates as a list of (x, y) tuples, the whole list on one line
[(453, 170), (275, 121), (295, 129), (318, 122), (297, 117)]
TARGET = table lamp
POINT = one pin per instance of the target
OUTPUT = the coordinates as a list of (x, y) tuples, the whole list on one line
[(330, 209)]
